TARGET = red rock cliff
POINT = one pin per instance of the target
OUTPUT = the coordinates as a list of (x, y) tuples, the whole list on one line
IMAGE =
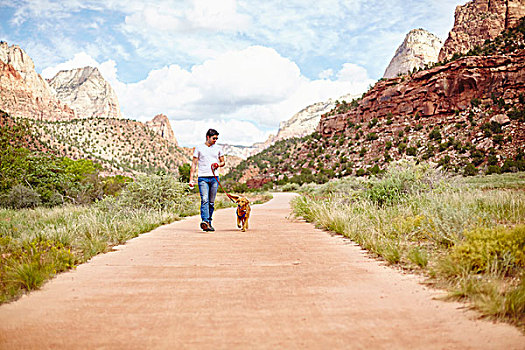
[(439, 91), (479, 20)]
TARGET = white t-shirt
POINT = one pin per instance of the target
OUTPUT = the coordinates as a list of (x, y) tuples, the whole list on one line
[(207, 155)]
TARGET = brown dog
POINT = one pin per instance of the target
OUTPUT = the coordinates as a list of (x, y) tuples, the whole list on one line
[(243, 212)]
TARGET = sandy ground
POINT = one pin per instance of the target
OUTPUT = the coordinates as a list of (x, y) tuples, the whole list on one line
[(283, 284)]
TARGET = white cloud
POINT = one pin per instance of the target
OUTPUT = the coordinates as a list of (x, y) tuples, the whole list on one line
[(251, 76), (189, 132), (186, 16), (80, 60), (352, 72), (245, 93)]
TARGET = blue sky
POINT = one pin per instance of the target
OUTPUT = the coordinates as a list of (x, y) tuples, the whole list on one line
[(241, 66)]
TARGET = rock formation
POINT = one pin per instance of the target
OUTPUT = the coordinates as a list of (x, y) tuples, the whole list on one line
[(438, 92), (242, 152), (23, 92), (300, 124), (479, 20), (420, 48), (86, 91), (305, 121), (161, 125)]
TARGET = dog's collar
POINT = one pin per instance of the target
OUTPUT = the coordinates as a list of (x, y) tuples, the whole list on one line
[(243, 212)]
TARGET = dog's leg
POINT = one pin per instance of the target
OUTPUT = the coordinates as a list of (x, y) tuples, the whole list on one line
[(243, 225), (238, 221)]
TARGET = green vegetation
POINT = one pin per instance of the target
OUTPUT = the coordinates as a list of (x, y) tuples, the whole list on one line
[(343, 107), (56, 213), (37, 243), (30, 178), (465, 234)]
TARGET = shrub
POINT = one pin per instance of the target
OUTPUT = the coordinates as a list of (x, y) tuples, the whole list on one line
[(484, 247), (435, 134), (517, 114), (158, 192), (22, 197), (470, 170), (411, 151), (418, 256), (375, 170), (477, 157), (290, 187), (493, 169), (184, 172), (371, 136)]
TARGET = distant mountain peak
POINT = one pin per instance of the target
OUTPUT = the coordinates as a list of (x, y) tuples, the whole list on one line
[(86, 91), (161, 125), (419, 48)]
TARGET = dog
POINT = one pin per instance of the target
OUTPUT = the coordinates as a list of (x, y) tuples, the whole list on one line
[(243, 212)]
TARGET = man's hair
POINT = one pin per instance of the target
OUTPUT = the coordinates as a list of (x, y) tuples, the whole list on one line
[(211, 132)]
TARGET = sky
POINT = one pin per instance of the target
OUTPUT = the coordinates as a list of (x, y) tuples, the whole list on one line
[(239, 66)]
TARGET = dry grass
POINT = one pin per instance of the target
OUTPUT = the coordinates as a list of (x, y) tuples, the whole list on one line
[(432, 224)]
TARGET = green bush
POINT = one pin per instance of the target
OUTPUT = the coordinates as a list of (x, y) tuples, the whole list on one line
[(159, 192), (371, 136), (470, 170), (493, 169), (399, 181), (290, 187), (484, 247), (435, 134), (411, 151), (20, 197)]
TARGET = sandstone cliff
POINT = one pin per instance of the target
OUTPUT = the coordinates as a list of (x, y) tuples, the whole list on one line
[(300, 124), (467, 115), (438, 92), (479, 20), (419, 49), (121, 146), (23, 92), (86, 91), (161, 125)]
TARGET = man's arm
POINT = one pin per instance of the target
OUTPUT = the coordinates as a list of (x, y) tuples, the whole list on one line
[(192, 170), (221, 161)]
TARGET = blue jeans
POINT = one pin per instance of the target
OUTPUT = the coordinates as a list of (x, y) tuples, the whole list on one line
[(208, 187)]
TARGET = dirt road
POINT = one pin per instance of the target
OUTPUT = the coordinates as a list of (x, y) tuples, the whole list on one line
[(282, 284)]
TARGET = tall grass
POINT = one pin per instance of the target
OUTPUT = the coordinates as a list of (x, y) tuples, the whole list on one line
[(467, 236), (36, 244)]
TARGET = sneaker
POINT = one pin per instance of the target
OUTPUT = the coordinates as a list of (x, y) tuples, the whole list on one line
[(205, 226), (210, 227)]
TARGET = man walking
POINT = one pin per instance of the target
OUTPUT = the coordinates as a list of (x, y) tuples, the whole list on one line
[(206, 156)]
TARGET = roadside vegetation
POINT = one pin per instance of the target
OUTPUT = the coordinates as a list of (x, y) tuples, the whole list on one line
[(56, 213), (466, 235)]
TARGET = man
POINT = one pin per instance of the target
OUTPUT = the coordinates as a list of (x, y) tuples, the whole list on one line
[(205, 156)]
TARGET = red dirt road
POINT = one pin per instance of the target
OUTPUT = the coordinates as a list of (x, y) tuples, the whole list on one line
[(282, 284)]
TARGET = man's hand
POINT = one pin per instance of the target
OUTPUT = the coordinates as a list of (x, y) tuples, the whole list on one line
[(214, 166), (192, 184)]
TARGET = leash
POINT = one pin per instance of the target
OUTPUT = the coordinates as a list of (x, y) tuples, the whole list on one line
[(223, 190)]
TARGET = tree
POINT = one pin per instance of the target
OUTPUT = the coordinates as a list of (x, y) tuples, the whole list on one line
[(184, 172)]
